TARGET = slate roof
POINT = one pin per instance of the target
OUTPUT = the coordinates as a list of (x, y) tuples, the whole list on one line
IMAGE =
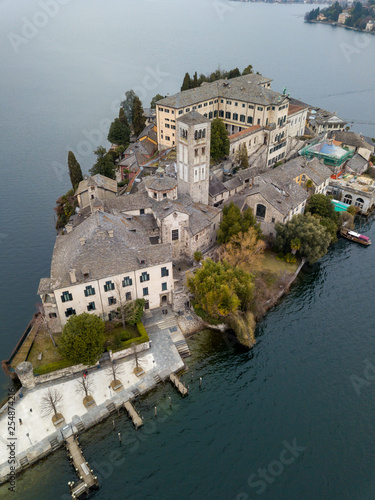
[(157, 183), (127, 203), (357, 164), (314, 169), (283, 196), (233, 183), (148, 131), (97, 180), (102, 255), (247, 88), (352, 139), (215, 186), (192, 118)]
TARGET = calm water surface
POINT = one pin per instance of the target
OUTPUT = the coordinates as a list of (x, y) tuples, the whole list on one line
[(57, 92)]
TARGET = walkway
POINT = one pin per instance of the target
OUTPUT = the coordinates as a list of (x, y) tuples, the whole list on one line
[(37, 436)]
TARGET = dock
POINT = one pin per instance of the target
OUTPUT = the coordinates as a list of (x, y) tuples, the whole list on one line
[(87, 480), (132, 412), (179, 385)]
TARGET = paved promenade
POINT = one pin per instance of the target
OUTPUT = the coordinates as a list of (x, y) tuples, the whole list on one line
[(37, 435)]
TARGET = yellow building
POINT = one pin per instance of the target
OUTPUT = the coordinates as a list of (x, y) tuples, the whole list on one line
[(241, 102)]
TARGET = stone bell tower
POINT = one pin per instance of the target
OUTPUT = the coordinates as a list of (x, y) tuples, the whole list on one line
[(193, 156)]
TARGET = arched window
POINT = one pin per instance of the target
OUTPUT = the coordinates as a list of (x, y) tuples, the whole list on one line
[(348, 199), (204, 133), (261, 212), (200, 134), (196, 135), (359, 203)]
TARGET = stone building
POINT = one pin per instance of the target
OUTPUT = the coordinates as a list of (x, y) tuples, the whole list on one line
[(103, 262), (193, 154), (95, 187), (241, 103)]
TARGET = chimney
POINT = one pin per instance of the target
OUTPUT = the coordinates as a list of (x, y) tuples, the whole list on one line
[(73, 278), (83, 241), (110, 233)]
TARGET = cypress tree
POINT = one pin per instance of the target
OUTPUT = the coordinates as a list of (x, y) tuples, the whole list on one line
[(122, 117), (75, 172), (186, 84), (195, 80), (138, 118)]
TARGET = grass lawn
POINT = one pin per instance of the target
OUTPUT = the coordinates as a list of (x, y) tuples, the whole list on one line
[(43, 344), (274, 265)]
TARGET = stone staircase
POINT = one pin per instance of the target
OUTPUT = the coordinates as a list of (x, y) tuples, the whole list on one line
[(111, 407), (54, 445), (136, 393), (80, 427), (24, 461), (157, 379), (182, 348)]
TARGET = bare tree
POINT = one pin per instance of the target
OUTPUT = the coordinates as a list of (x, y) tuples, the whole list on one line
[(84, 386), (113, 371), (138, 369), (50, 402), (43, 317)]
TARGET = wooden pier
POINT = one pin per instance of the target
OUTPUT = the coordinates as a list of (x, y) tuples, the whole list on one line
[(179, 385), (87, 480), (132, 412)]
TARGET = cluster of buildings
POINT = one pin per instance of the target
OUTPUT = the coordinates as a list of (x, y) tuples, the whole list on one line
[(120, 247)]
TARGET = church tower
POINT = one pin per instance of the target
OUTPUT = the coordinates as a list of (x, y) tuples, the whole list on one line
[(193, 156)]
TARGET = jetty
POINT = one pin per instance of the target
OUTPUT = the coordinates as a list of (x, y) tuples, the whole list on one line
[(132, 412), (179, 385), (87, 480)]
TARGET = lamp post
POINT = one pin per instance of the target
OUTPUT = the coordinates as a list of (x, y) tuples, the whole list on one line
[(28, 435)]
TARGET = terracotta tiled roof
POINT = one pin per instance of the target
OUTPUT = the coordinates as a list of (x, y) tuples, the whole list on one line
[(249, 130), (294, 109)]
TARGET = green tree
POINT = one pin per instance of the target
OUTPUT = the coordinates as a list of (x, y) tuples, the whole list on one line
[(119, 133), (321, 205), (314, 238), (82, 339), (104, 164), (295, 245), (138, 118), (220, 289), (197, 256), (234, 73), (195, 81), (186, 84), (132, 312), (331, 227), (241, 157), (234, 222), (219, 140), (352, 210), (155, 99), (248, 70), (75, 172), (127, 105), (122, 117)]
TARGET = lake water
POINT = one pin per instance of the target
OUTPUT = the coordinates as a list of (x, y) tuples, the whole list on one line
[(63, 75)]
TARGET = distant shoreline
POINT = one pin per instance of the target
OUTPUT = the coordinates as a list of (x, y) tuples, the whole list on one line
[(337, 25)]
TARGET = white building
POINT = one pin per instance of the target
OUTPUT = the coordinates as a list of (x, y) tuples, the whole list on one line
[(103, 262)]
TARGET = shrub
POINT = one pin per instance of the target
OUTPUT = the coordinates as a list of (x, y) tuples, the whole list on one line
[(290, 258)]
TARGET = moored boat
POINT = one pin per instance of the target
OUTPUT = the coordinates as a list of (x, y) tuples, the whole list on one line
[(353, 236)]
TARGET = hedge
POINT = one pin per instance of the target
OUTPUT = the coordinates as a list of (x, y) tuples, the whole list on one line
[(143, 337), (51, 367)]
